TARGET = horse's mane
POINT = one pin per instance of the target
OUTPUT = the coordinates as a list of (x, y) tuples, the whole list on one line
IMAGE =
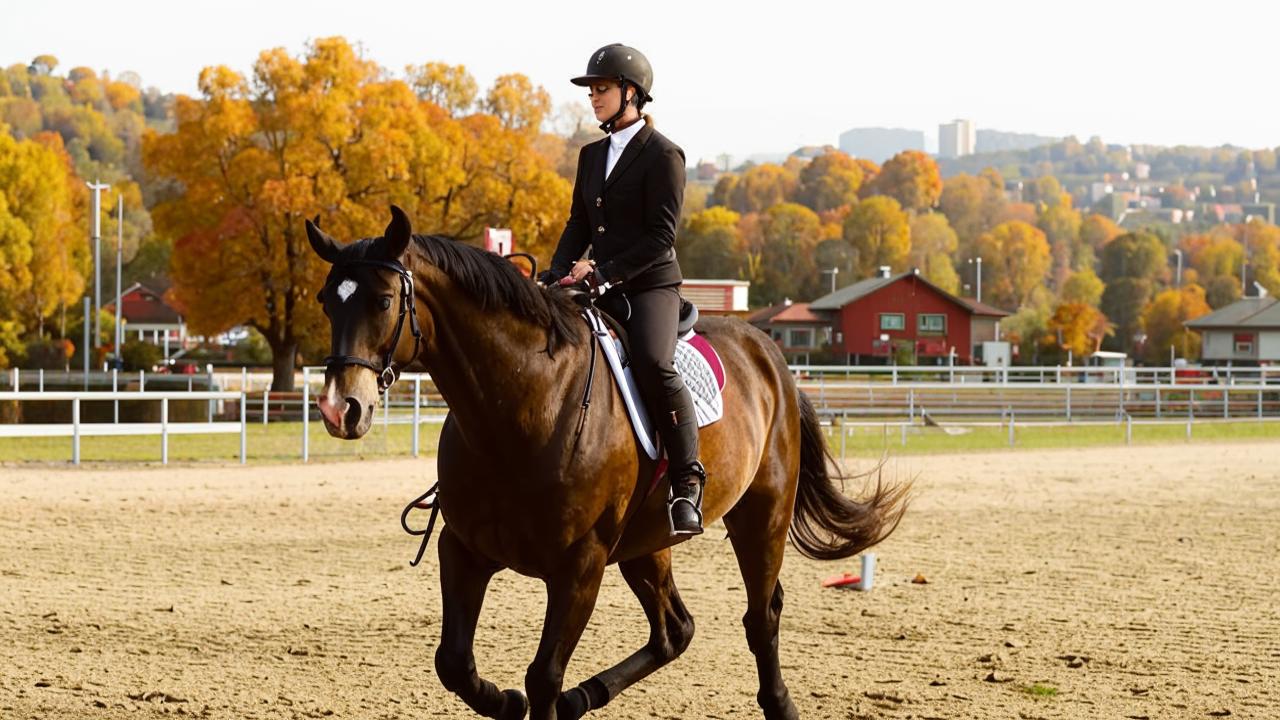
[(495, 283)]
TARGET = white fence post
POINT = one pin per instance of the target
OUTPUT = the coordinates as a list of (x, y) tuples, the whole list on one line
[(16, 384), (306, 416), (41, 380), (266, 403), (1012, 421), (244, 424), (115, 387), (142, 381), (417, 416), (1128, 429), (75, 431), (164, 431)]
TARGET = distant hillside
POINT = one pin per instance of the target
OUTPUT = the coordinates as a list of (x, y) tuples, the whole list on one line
[(996, 141)]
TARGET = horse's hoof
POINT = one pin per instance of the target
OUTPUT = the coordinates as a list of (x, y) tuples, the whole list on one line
[(572, 704), (514, 706)]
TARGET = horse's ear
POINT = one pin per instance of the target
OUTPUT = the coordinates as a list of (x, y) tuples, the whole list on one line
[(398, 233), (326, 247)]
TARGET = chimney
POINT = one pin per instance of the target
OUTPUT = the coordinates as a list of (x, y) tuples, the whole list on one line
[(884, 271)]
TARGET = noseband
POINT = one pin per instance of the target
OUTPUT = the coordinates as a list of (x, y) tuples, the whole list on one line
[(388, 372)]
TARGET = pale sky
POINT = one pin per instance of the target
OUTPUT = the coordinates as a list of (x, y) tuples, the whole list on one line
[(745, 78)]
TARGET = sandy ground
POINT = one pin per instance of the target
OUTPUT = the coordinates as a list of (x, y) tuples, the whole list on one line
[(1133, 582)]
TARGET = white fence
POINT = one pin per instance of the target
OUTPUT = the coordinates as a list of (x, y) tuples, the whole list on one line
[(889, 396), (76, 429)]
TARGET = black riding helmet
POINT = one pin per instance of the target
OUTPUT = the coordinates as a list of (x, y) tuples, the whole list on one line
[(624, 65)]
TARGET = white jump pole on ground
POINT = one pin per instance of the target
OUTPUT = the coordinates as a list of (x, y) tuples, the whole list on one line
[(164, 431), (244, 425), (75, 431), (306, 416)]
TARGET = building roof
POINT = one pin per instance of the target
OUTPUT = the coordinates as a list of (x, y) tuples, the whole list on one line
[(140, 304), (850, 293), (785, 312), (1250, 312), (981, 308), (862, 288)]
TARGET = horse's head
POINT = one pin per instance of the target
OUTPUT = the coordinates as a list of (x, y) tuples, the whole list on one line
[(368, 298)]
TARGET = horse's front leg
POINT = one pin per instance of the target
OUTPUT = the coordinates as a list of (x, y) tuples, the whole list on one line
[(464, 577), (571, 597)]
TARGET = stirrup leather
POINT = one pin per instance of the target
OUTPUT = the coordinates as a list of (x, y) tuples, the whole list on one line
[(695, 502)]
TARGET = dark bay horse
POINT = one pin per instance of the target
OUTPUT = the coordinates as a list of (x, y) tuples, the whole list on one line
[(522, 488)]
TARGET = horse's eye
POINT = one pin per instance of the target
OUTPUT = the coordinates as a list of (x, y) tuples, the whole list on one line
[(386, 303)]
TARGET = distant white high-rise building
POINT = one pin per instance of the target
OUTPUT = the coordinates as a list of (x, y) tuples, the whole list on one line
[(880, 144), (957, 138)]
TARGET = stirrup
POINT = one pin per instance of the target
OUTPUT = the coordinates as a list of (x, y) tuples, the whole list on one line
[(694, 503)]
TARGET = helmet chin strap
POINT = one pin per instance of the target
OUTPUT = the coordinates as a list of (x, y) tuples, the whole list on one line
[(608, 125)]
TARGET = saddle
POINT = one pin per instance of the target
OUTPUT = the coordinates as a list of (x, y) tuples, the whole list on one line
[(617, 310), (695, 359)]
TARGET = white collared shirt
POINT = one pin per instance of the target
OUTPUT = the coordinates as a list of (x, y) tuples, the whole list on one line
[(618, 142)]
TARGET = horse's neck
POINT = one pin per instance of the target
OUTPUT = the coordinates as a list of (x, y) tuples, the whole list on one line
[(493, 369)]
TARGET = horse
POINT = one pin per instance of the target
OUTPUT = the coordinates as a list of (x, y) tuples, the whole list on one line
[(569, 491)]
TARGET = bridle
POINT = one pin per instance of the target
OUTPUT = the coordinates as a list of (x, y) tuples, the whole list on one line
[(388, 372)]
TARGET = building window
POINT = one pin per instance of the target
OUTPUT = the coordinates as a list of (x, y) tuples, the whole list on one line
[(932, 322), (1244, 344), (777, 334), (800, 338), (893, 321)]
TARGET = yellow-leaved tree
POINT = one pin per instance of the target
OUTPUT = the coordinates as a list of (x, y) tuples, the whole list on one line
[(330, 134)]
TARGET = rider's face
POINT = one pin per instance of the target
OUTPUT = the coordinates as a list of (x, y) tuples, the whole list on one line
[(605, 97)]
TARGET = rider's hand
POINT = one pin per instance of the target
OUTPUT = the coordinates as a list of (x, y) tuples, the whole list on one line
[(580, 271)]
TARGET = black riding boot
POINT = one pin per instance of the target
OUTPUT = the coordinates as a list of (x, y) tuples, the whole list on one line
[(687, 476)]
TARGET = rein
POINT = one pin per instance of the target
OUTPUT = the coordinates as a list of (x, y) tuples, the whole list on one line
[(388, 372)]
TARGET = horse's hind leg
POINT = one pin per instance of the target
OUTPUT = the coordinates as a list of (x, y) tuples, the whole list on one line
[(758, 529), (463, 581), (670, 630)]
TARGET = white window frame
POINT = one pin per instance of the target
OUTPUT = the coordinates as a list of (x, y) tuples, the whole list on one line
[(807, 333), (902, 321), (920, 317)]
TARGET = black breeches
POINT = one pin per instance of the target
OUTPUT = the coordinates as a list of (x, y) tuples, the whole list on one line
[(655, 315)]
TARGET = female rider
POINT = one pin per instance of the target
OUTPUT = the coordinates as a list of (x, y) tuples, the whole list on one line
[(626, 203)]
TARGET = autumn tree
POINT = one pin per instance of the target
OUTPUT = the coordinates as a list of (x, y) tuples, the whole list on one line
[(933, 247), (829, 181), (1135, 255), (1084, 287), (880, 234), (1164, 320), (973, 205), (1098, 230), (709, 244), (756, 190), (1015, 259), (1263, 242), (1078, 328), (1061, 226), (43, 246), (330, 134), (449, 86), (911, 178), (782, 240), (516, 103)]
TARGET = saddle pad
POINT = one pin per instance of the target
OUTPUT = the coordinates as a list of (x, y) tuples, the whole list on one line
[(699, 366)]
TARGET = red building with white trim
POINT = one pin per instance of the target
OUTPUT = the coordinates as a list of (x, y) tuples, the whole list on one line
[(905, 314)]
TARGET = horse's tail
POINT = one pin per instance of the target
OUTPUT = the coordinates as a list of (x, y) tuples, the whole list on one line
[(825, 524)]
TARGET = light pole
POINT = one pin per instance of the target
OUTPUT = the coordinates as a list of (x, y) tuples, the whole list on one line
[(979, 276), (1178, 280), (119, 269), (834, 272), (97, 189)]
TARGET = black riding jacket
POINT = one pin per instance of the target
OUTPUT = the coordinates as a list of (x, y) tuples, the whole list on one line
[(629, 220)]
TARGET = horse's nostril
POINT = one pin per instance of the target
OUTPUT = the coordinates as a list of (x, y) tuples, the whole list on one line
[(353, 414)]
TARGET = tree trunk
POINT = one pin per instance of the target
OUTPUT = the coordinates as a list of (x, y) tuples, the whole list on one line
[(282, 355)]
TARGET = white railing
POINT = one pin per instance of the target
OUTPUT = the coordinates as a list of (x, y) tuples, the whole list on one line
[(76, 429), (1057, 374)]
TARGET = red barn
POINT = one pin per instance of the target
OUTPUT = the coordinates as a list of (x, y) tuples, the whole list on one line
[(906, 315)]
